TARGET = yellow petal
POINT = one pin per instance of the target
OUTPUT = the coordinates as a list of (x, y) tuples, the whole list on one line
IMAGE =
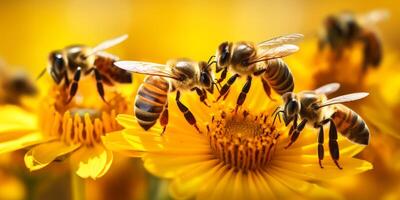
[(10, 115), (116, 142), (310, 169), (300, 188), (167, 166), (192, 180), (43, 154), (91, 162)]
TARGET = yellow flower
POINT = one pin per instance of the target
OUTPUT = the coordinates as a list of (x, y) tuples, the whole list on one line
[(59, 130), (237, 156)]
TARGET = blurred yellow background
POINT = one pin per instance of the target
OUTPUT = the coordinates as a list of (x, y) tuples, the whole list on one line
[(160, 30)]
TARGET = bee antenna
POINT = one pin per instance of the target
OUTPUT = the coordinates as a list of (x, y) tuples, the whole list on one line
[(209, 60), (41, 74)]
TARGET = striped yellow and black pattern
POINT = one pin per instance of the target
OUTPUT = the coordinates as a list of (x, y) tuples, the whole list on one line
[(151, 100), (279, 76), (351, 125)]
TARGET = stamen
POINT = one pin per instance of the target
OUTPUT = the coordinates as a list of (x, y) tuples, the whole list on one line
[(76, 124), (241, 140)]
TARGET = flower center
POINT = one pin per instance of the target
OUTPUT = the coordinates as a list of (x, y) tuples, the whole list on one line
[(83, 122), (242, 140)]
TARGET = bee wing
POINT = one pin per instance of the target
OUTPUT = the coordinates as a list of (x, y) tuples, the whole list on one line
[(328, 88), (146, 68), (286, 39), (344, 98), (108, 44), (274, 52), (373, 17)]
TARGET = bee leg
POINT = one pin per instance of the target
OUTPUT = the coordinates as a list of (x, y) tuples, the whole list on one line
[(223, 76), (186, 112), (296, 132), (267, 89), (203, 95), (294, 126), (227, 85), (164, 118), (244, 92), (320, 145), (99, 84), (74, 86), (333, 145), (66, 79)]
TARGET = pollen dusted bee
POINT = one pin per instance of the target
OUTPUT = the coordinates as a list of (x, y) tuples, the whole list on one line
[(343, 30), (263, 59), (151, 101), (76, 59), (14, 85), (314, 108)]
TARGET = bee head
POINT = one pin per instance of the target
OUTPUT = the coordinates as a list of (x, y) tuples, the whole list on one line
[(223, 56), (206, 78), (292, 106), (58, 66)]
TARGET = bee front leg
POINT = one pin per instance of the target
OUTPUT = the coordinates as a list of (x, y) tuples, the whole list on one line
[(203, 95), (186, 112), (244, 92), (296, 132), (74, 86), (225, 88), (164, 118), (223, 76)]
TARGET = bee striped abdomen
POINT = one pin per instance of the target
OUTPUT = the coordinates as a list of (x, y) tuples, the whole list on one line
[(110, 72), (150, 100), (351, 125), (278, 76)]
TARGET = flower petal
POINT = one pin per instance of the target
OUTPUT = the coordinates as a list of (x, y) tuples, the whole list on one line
[(91, 162), (116, 141), (167, 166), (10, 115), (43, 154)]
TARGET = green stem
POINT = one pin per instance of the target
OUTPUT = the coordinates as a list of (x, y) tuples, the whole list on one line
[(77, 186)]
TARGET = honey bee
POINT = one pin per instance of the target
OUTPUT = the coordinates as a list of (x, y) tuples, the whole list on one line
[(14, 85), (70, 62), (313, 107), (151, 101), (263, 59), (343, 30)]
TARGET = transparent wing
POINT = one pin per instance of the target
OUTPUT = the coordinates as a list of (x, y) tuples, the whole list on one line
[(286, 39), (345, 98), (274, 52), (108, 44), (373, 17), (328, 88), (146, 68)]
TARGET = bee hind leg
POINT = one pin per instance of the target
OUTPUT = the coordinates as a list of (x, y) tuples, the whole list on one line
[(186, 112), (333, 145), (244, 92), (99, 84), (164, 118), (267, 89), (74, 86)]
